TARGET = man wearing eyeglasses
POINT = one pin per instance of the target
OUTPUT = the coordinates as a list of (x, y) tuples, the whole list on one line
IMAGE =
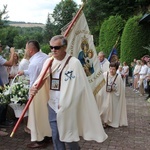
[(72, 107)]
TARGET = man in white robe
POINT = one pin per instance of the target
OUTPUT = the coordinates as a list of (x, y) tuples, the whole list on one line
[(72, 107), (104, 63), (104, 66), (112, 105)]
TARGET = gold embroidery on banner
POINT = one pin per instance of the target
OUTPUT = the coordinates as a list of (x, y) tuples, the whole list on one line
[(95, 77), (73, 40), (99, 87)]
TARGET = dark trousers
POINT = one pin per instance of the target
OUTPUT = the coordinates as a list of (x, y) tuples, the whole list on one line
[(148, 88), (3, 112), (59, 145)]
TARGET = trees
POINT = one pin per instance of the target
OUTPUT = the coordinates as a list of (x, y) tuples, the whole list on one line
[(49, 30), (3, 16), (110, 32), (7, 35), (25, 34), (17, 36), (20, 41), (63, 13), (134, 38), (96, 11)]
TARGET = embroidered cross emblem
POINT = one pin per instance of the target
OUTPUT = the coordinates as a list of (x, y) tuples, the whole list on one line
[(69, 75)]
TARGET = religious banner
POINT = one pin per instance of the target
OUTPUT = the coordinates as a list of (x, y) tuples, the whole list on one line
[(81, 45), (113, 57)]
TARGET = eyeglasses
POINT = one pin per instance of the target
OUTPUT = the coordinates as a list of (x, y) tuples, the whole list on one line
[(56, 47)]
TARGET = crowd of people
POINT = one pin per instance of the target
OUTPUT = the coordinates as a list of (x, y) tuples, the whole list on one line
[(141, 78), (140, 73), (64, 96)]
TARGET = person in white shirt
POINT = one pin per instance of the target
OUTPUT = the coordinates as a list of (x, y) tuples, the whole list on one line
[(142, 73), (6, 63), (13, 70), (136, 75), (24, 64), (104, 63), (121, 72), (126, 72), (38, 133)]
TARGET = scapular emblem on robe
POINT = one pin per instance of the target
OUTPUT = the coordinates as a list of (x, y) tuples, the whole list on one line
[(69, 75)]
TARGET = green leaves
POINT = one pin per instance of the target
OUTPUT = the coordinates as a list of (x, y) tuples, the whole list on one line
[(3, 16), (63, 13), (110, 32), (134, 37)]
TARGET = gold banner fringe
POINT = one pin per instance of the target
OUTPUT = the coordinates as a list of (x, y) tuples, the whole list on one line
[(99, 87)]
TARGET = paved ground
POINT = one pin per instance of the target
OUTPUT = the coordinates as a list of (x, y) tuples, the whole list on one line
[(134, 137)]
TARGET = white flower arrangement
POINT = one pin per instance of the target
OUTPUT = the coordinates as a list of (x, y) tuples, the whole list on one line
[(19, 92), (4, 95), (15, 93)]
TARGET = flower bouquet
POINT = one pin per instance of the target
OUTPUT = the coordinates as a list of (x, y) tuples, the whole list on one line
[(4, 98), (16, 95)]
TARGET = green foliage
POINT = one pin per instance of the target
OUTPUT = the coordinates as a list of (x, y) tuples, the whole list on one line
[(63, 13), (7, 35), (20, 41), (49, 30), (110, 33), (96, 11), (3, 16), (92, 11), (45, 48), (35, 33), (17, 37), (133, 39), (3, 35), (11, 33)]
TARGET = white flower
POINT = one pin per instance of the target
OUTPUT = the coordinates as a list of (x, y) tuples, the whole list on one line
[(6, 92), (16, 93), (14, 99)]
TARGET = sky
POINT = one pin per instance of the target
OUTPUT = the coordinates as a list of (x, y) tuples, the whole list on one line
[(35, 11)]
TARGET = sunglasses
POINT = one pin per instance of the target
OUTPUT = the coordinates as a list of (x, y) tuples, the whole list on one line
[(56, 47)]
